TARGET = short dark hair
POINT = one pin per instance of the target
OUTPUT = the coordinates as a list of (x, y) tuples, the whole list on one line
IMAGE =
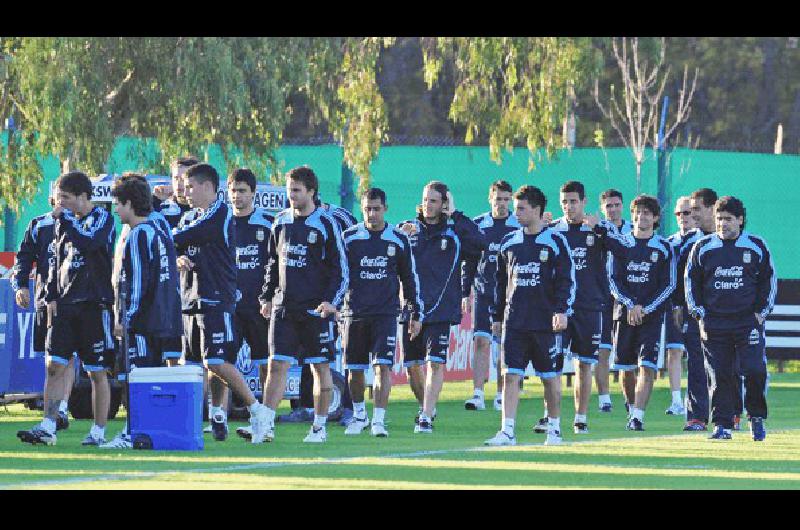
[(500, 185), (133, 188), (75, 182), (374, 194), (204, 173), (573, 186), (708, 196), (306, 176), (733, 206), (647, 202), (533, 196), (243, 174), (611, 192), (186, 161)]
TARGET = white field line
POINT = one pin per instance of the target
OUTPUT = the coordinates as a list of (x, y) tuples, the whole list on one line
[(134, 475)]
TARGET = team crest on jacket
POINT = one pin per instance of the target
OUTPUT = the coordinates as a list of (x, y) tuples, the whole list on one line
[(590, 240), (259, 235), (312, 237), (444, 244), (390, 251), (654, 256), (543, 255), (747, 257)]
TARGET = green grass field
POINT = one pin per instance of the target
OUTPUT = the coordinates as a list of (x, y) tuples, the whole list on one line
[(453, 457)]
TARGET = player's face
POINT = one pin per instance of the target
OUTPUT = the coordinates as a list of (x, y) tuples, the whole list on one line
[(499, 200), (612, 209), (70, 201), (299, 196), (178, 183), (683, 214), (240, 194), (572, 205), (124, 211), (728, 225), (432, 203), (643, 219), (373, 211), (198, 194), (703, 215), (526, 214)]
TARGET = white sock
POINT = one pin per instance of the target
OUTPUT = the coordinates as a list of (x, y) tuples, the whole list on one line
[(319, 421), (359, 410), (49, 425), (478, 393), (270, 415), (97, 431), (62, 407), (676, 397), (554, 423), (544, 415), (508, 426), (217, 412), (378, 415), (580, 418), (604, 398), (637, 413)]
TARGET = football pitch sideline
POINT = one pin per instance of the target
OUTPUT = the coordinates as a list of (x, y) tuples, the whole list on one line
[(452, 457)]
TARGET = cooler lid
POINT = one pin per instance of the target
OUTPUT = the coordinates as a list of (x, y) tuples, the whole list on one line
[(176, 374)]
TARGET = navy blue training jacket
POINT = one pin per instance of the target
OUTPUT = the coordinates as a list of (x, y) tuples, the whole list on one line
[(37, 246), (252, 241), (481, 273), (172, 211)]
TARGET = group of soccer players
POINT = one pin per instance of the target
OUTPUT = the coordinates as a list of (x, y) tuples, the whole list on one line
[(192, 278)]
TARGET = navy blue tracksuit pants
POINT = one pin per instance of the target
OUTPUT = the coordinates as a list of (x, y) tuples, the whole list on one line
[(696, 377), (729, 353)]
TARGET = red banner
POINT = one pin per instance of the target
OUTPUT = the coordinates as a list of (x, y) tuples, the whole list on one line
[(6, 262)]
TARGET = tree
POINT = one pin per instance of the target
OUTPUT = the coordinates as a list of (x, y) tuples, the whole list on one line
[(634, 114)]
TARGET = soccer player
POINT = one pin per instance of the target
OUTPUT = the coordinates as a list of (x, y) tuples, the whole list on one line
[(305, 281), (174, 203), (207, 266), (611, 205), (78, 293), (37, 246), (441, 239), (380, 261), (673, 324), (480, 276), (730, 289), (582, 336), (641, 273), (150, 308), (535, 292)]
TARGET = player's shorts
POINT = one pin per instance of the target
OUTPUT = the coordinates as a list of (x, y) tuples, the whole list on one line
[(85, 328), (672, 335), (40, 330), (431, 344), (481, 318), (637, 345), (607, 330), (209, 337), (369, 340), (171, 347), (542, 348), (143, 352), (582, 336), (301, 340), (251, 327)]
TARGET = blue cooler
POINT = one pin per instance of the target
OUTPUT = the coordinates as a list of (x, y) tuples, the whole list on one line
[(167, 408)]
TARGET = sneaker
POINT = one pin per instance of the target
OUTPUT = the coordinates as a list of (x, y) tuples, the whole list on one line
[(379, 430), (694, 425), (219, 428), (475, 403), (720, 433), (757, 429), (37, 435), (416, 418), (261, 429), (541, 426), (245, 432), (605, 407), (120, 441), (737, 423), (423, 427), (498, 404), (553, 438), (357, 425), (676, 409), (581, 428), (501, 438), (316, 435), (296, 416), (635, 424), (62, 421), (91, 440), (207, 429)]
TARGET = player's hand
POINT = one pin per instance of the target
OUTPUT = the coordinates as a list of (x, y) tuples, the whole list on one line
[(118, 330), (163, 191), (702, 325), (266, 309), (497, 329), (547, 217), (414, 327), (677, 316), (559, 322), (184, 264), (635, 315), (451, 204), (409, 228), (23, 297), (465, 304), (325, 309), (759, 319), (591, 220), (52, 311)]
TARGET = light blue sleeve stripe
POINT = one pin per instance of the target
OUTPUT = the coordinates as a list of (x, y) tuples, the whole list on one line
[(668, 290), (337, 236), (136, 272), (687, 280), (773, 291), (627, 302)]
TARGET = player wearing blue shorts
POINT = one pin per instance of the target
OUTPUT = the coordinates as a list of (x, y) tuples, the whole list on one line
[(477, 277), (535, 292), (380, 261)]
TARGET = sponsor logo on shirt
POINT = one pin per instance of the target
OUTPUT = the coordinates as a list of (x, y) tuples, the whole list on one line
[(640, 267), (733, 278), (527, 275)]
